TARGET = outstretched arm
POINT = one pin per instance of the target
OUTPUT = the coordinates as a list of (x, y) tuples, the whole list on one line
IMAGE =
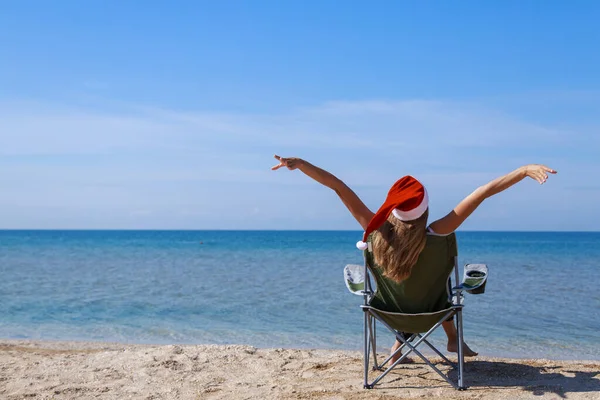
[(354, 204), (456, 217)]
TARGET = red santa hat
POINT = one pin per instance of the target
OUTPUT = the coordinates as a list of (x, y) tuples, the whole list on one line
[(407, 200)]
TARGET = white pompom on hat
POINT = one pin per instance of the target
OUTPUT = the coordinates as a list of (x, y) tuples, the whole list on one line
[(407, 200)]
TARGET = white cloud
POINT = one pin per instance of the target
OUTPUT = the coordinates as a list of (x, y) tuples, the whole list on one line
[(145, 159), (39, 129)]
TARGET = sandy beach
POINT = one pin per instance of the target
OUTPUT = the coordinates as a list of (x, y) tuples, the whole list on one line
[(77, 370)]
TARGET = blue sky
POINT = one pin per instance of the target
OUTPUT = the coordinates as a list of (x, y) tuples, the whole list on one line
[(162, 114)]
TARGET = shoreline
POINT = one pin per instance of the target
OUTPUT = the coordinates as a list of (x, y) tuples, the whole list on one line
[(86, 342), (107, 370)]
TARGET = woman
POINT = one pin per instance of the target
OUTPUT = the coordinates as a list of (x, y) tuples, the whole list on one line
[(400, 226)]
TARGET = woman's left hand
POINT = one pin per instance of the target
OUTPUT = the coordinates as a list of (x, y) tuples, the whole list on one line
[(290, 163)]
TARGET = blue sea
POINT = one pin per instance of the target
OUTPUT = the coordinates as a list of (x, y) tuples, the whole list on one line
[(283, 289)]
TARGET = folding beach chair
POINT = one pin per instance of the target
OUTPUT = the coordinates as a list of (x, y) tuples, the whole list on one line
[(416, 307)]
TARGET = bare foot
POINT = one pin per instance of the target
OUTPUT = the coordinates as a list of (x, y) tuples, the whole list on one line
[(466, 349), (405, 361), (398, 355)]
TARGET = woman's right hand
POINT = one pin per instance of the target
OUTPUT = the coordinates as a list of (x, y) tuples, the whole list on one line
[(461, 212), (538, 172)]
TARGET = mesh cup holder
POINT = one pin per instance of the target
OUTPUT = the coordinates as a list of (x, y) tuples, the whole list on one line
[(475, 277)]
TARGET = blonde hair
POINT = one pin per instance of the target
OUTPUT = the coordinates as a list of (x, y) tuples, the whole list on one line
[(398, 244)]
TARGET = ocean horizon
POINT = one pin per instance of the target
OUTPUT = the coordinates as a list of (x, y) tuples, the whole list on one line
[(282, 288), (272, 230)]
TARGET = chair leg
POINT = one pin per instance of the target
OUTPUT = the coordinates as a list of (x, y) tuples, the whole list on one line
[(373, 341), (374, 337), (412, 348), (366, 350), (461, 354)]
